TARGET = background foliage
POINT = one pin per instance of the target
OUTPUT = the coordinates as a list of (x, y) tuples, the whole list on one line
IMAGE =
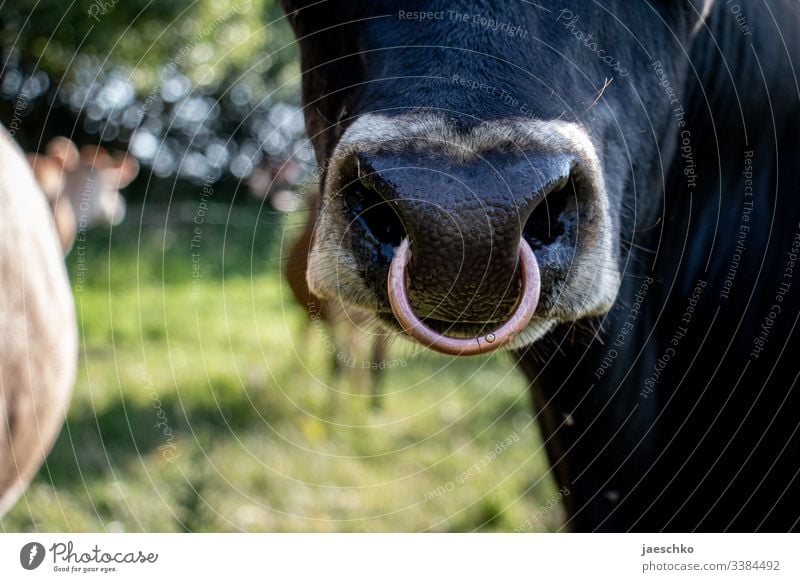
[(199, 90)]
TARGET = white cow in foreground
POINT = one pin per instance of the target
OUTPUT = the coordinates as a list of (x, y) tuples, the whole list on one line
[(43, 201), (38, 333)]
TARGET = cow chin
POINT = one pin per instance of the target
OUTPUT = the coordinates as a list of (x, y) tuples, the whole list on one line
[(588, 288)]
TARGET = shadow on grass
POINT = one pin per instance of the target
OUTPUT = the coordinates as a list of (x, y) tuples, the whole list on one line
[(92, 443)]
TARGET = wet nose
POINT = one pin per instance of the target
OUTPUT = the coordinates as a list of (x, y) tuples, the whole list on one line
[(463, 221)]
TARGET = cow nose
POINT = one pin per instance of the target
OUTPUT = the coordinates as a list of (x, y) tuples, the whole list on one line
[(463, 221)]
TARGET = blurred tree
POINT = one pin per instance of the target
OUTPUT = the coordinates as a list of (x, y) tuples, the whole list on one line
[(201, 90)]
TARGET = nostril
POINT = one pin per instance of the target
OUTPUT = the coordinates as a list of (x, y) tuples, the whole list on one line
[(373, 217), (553, 216)]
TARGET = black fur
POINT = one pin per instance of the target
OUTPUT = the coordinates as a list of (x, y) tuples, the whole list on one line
[(709, 442)]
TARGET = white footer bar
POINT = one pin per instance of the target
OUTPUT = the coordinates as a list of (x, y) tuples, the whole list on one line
[(401, 557)]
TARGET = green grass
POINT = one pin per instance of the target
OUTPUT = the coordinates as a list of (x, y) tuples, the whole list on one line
[(255, 434)]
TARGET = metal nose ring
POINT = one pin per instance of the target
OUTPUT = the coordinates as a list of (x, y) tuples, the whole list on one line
[(488, 342)]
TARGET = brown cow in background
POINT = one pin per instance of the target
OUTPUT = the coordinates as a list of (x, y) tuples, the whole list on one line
[(82, 187), (343, 329)]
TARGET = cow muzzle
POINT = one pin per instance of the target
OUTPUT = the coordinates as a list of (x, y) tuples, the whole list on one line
[(485, 244)]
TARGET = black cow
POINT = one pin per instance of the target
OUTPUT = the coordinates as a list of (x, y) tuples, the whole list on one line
[(648, 153)]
